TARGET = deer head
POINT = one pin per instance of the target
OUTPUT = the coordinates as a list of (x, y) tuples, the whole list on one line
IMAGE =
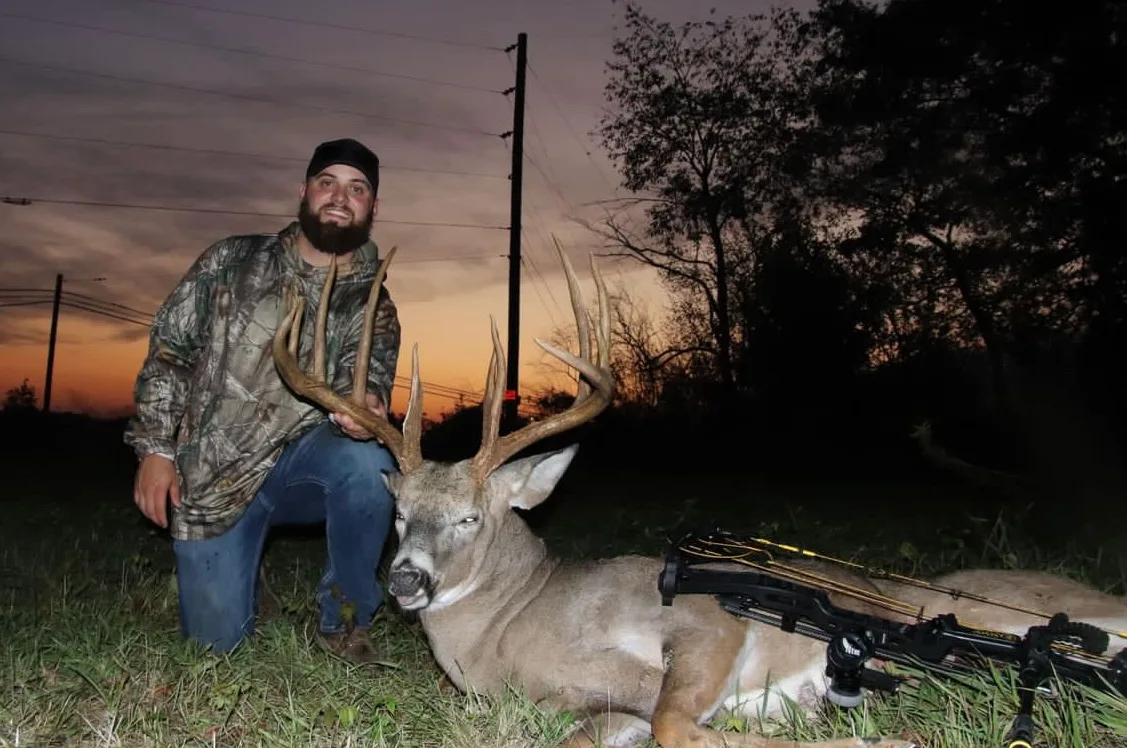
[(450, 515)]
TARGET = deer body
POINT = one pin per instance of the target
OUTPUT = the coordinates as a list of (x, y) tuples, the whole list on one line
[(588, 637), (606, 646), (1021, 588), (592, 638)]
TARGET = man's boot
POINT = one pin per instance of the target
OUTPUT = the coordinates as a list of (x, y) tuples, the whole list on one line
[(352, 644)]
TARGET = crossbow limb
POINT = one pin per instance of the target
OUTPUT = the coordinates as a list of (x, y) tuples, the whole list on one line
[(798, 601)]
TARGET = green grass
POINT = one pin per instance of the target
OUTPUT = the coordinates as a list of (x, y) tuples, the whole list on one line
[(90, 654)]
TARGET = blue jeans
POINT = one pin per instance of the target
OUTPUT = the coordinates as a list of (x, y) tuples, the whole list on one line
[(325, 477)]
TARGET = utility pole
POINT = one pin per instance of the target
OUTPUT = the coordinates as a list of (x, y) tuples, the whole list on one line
[(51, 343), (512, 399)]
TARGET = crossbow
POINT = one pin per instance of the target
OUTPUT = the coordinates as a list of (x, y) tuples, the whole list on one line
[(797, 601)]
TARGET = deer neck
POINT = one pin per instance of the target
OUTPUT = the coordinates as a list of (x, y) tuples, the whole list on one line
[(508, 574), (514, 564)]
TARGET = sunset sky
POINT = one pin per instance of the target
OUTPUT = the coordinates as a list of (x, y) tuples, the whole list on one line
[(74, 72)]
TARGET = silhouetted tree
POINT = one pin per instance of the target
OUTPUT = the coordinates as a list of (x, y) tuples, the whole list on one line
[(922, 193), (807, 324), (701, 120), (21, 398), (645, 351), (980, 146), (642, 357)]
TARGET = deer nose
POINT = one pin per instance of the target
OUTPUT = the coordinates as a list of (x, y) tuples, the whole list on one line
[(406, 580)]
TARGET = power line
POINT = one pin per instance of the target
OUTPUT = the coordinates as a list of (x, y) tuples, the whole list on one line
[(574, 135), (452, 258), (14, 292), (429, 388), (615, 190), (531, 266), (102, 312), (22, 201), (237, 154), (79, 301), (4, 304), (552, 185), (111, 304), (549, 180), (125, 313), (179, 273), (95, 306), (524, 263), (446, 388), (252, 52), (326, 25), (9, 293), (246, 97), (98, 306), (527, 261)]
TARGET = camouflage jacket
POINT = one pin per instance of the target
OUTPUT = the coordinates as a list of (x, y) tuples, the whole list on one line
[(208, 394)]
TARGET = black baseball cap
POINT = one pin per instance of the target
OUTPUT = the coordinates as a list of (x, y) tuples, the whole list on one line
[(350, 153)]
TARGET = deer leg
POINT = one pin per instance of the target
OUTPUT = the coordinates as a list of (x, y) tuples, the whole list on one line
[(609, 730), (694, 684), (595, 728)]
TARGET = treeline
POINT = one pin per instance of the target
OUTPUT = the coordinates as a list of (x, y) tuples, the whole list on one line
[(867, 217)]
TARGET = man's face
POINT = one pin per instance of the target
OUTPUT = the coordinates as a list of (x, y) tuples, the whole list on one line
[(337, 209)]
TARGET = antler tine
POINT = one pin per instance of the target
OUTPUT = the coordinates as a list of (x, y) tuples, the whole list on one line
[(491, 403), (410, 456), (597, 374), (602, 331), (322, 321), (582, 320), (294, 317), (315, 388), (494, 452), (360, 371)]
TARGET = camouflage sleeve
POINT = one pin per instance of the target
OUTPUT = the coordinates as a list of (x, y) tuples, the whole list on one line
[(384, 353), (177, 334)]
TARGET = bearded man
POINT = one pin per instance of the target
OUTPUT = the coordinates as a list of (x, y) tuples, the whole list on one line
[(224, 442)]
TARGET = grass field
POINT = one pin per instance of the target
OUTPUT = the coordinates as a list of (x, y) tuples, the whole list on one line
[(90, 655)]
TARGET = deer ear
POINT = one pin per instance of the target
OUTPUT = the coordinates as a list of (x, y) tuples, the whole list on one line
[(526, 482), (393, 481)]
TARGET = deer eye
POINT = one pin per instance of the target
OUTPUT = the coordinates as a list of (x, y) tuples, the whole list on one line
[(470, 520)]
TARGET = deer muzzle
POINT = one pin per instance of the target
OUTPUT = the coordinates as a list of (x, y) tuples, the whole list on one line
[(410, 585)]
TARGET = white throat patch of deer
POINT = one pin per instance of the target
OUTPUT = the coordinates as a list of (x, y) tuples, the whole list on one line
[(592, 638)]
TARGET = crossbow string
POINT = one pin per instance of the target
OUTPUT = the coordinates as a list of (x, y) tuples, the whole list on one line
[(760, 554)]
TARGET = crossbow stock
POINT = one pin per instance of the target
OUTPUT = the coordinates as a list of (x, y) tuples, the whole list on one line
[(797, 600)]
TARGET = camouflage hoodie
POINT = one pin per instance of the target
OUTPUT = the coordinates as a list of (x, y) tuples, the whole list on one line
[(208, 394)]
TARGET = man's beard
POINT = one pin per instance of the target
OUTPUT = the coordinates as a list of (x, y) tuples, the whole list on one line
[(332, 238)]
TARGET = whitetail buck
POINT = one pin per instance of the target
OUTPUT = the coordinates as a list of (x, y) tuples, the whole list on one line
[(592, 638)]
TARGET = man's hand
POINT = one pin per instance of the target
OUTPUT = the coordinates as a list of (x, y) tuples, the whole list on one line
[(349, 426), (156, 481)]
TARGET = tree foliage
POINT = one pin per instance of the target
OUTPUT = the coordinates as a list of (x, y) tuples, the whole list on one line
[(21, 398), (700, 115), (977, 143), (869, 188)]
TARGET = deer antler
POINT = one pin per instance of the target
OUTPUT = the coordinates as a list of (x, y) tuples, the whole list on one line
[(405, 446), (588, 403)]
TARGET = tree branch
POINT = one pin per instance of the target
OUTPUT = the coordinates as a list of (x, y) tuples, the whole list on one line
[(652, 257)]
